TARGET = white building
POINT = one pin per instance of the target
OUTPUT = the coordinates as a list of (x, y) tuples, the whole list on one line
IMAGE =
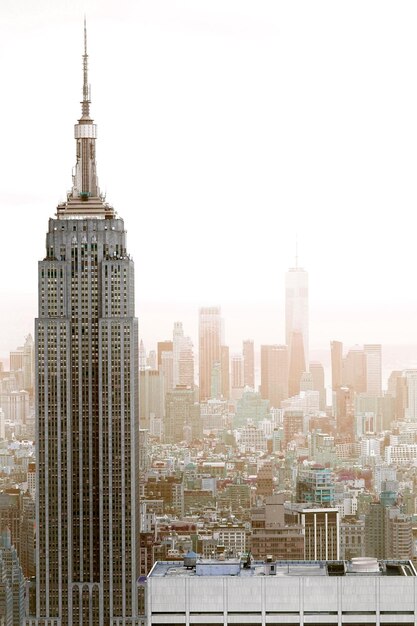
[(401, 455), (363, 591)]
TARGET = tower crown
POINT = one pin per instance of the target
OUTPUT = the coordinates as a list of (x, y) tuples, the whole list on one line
[(85, 198)]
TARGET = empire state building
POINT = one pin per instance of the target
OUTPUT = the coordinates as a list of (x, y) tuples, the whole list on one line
[(86, 407)]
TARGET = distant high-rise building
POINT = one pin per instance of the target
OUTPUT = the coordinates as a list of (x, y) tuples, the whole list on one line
[(296, 308), (167, 370), (164, 346), (151, 361), (297, 363), (151, 396), (183, 358), (274, 374), (237, 371), (373, 354), (410, 412), (336, 349), (210, 342), (225, 372), (354, 370), (142, 357), (249, 364), (86, 407), (344, 412), (317, 373), (182, 414), (23, 360), (2, 425), (306, 382)]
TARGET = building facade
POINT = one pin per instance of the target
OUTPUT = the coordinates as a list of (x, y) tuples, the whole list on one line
[(296, 307), (210, 342), (86, 407), (282, 592)]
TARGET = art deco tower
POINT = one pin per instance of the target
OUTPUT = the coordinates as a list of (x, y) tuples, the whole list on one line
[(86, 407)]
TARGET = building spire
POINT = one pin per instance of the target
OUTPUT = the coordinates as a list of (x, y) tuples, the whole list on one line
[(85, 197), (85, 110)]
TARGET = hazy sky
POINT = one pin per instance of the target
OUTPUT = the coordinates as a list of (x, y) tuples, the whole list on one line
[(227, 128)]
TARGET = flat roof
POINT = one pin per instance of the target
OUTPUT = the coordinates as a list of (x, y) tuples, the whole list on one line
[(236, 567)]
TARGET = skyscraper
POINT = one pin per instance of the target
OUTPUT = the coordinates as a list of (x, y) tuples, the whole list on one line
[(336, 349), (373, 354), (86, 407), (249, 363), (317, 372), (274, 374), (183, 358), (296, 308), (297, 362), (210, 341)]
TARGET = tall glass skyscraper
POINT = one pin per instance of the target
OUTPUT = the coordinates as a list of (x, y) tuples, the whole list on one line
[(86, 407), (296, 325)]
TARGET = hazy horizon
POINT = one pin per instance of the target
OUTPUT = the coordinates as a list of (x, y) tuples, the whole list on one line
[(226, 131)]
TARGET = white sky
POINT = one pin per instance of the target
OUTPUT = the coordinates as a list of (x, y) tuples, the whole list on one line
[(226, 129)]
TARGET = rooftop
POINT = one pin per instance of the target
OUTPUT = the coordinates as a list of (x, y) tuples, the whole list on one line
[(362, 566)]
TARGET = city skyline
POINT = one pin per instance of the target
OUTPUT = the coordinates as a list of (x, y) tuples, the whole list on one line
[(275, 127)]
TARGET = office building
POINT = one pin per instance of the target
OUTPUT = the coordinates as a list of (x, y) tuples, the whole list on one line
[(352, 538), (315, 485), (296, 309), (164, 346), (373, 354), (10, 514), (224, 370), (87, 407), (183, 358), (182, 416), (272, 535), (27, 536), (151, 396), (297, 363), (22, 360), (354, 370), (241, 591), (274, 374), (237, 375), (293, 423), (336, 351), (410, 412), (321, 530), (210, 342), (317, 373), (249, 364), (167, 370), (12, 583), (142, 356)]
